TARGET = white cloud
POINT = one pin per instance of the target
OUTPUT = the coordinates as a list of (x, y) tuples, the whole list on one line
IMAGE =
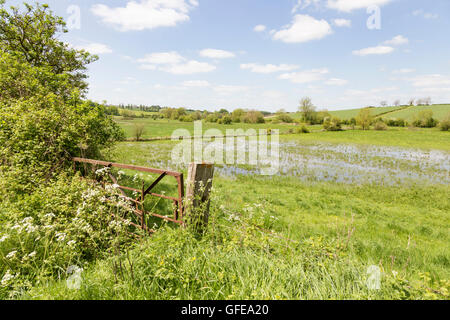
[(430, 80), (350, 5), (336, 82), (216, 54), (403, 71), (259, 28), (196, 83), (189, 67), (148, 67), (173, 62), (227, 89), (268, 68), (145, 14), (379, 50), (305, 76), (302, 29), (343, 23), (397, 41), (424, 14), (95, 48), (171, 57), (302, 4)]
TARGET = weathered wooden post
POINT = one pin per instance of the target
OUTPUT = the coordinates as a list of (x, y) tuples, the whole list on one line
[(199, 183)]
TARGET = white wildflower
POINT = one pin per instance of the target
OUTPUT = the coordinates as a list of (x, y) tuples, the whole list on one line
[(11, 255), (71, 243), (7, 277), (32, 255), (60, 236), (2, 239)]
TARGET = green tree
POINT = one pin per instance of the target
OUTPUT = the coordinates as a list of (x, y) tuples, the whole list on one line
[(364, 118), (44, 120), (32, 37), (307, 110)]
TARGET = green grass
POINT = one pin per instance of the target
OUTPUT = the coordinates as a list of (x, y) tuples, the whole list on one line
[(400, 112), (439, 112), (165, 128), (402, 137), (324, 238), (281, 237)]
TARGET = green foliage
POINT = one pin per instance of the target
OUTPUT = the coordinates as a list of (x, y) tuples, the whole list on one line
[(253, 116), (332, 124), (364, 118), (67, 223), (424, 119), (445, 124), (284, 118), (380, 126), (32, 38), (43, 120), (302, 129)]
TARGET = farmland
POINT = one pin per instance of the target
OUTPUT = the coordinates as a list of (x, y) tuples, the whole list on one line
[(341, 202), (97, 202)]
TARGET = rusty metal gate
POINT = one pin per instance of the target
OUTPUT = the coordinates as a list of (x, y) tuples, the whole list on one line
[(139, 208)]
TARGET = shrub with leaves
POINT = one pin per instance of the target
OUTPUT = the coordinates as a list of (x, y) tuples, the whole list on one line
[(68, 223)]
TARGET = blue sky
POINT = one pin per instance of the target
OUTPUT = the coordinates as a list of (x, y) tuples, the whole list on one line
[(264, 54)]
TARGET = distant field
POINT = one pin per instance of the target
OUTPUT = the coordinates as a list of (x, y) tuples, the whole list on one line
[(164, 128), (439, 112), (401, 112)]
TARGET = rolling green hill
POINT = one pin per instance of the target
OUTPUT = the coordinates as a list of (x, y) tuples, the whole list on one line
[(401, 112)]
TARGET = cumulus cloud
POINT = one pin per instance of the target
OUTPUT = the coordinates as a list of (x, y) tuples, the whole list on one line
[(336, 82), (216, 54), (426, 15), (145, 14), (268, 68), (305, 76), (229, 89), (351, 5), (397, 41), (171, 57), (259, 28), (343, 23), (95, 48), (174, 63), (196, 83), (189, 67), (303, 28), (379, 50), (403, 71), (430, 80)]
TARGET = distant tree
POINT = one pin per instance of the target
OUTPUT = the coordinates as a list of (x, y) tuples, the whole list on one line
[(138, 131), (237, 115), (411, 101), (253, 116), (364, 118), (383, 103), (425, 119), (396, 103), (307, 109)]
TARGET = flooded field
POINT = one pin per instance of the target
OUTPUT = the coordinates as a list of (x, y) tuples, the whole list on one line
[(341, 163)]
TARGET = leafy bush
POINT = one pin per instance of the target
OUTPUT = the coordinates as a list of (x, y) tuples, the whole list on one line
[(445, 124), (424, 119), (67, 223), (302, 129), (380, 126), (332, 124), (396, 123), (285, 118)]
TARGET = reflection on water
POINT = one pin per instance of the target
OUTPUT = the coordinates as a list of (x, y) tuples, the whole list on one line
[(342, 163)]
